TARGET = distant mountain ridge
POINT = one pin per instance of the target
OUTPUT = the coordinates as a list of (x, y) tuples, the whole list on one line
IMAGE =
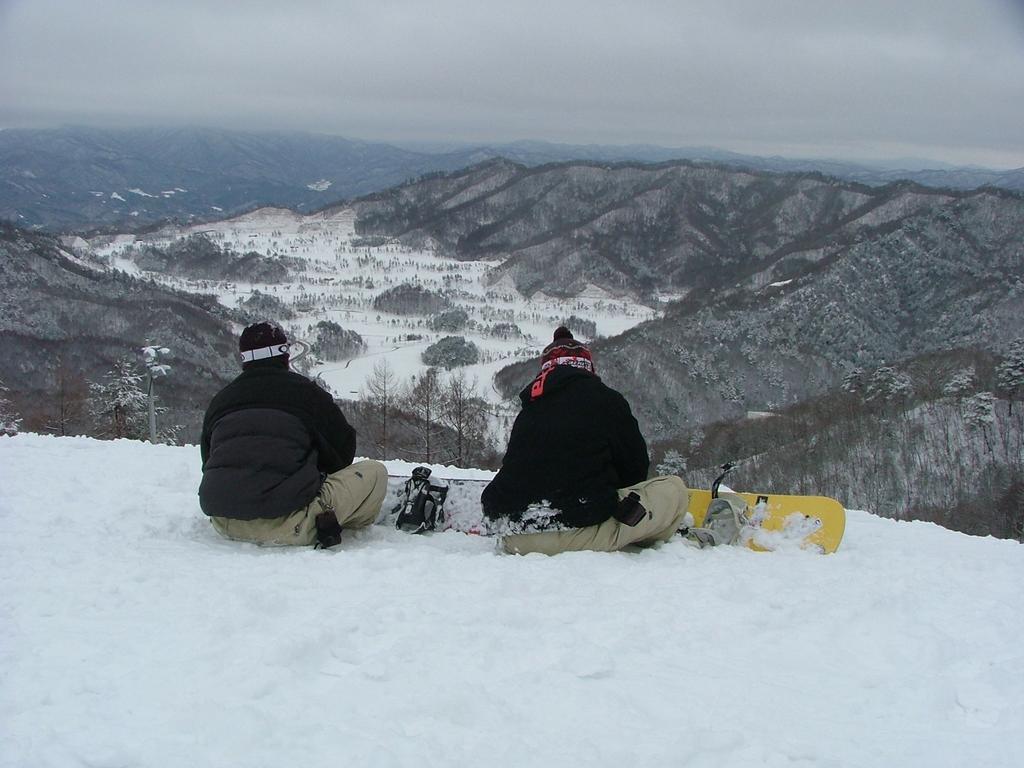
[(782, 283), (787, 280), (82, 179), (85, 179), (672, 227)]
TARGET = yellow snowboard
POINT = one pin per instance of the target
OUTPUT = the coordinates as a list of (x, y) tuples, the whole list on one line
[(781, 522)]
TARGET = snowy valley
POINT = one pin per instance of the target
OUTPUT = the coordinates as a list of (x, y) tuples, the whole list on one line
[(334, 275)]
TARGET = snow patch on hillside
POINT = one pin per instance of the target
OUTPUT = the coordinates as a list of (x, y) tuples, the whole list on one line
[(133, 635)]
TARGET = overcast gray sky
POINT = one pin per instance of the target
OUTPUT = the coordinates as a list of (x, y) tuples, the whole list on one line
[(856, 79)]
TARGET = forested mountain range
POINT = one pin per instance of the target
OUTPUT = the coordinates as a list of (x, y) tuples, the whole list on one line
[(879, 325), (78, 178), (65, 322), (791, 286), (675, 226), (787, 281)]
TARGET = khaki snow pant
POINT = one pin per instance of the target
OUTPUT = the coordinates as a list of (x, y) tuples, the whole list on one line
[(665, 499), (355, 493)]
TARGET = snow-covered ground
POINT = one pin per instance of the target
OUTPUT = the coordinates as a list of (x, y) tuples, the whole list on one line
[(340, 278), (131, 635)]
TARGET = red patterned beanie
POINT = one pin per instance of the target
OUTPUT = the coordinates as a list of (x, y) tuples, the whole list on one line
[(565, 350)]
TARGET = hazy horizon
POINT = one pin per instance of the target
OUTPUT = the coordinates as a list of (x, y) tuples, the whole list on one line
[(867, 82), (906, 162)]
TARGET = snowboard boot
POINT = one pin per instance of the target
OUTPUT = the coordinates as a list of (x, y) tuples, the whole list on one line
[(702, 537)]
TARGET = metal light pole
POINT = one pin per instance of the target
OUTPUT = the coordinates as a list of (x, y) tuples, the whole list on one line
[(154, 369)]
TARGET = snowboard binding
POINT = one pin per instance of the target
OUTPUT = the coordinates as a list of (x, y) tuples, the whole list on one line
[(725, 519), (422, 504)]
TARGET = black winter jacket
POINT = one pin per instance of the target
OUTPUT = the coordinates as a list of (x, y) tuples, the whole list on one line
[(574, 444), (268, 438)]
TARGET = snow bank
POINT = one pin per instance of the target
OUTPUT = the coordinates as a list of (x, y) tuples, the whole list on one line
[(131, 635)]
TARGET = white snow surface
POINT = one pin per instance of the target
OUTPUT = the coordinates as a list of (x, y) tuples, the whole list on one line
[(132, 635)]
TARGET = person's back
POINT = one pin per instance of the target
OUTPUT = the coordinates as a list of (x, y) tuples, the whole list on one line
[(277, 453), (265, 444), (576, 449), (574, 444)]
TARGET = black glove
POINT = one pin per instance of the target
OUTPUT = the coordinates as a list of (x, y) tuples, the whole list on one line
[(629, 511), (328, 530)]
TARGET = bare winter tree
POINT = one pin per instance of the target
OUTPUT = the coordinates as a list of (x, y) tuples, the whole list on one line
[(71, 395), (381, 393), (463, 411), (425, 401)]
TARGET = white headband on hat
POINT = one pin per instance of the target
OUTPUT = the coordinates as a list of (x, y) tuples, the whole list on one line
[(264, 352)]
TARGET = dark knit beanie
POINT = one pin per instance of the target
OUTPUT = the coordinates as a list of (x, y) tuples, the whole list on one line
[(261, 341), (565, 350)]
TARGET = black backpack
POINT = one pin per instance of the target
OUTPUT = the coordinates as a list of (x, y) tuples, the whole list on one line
[(422, 505)]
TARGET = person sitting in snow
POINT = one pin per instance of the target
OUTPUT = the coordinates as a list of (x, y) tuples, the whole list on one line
[(277, 454), (574, 475)]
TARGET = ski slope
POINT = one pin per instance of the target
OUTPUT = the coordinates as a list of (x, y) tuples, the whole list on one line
[(131, 635)]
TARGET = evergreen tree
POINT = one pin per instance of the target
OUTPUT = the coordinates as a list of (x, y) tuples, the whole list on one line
[(888, 385), (672, 463), (1010, 372), (10, 419), (332, 342), (853, 382), (580, 327), (450, 321), (979, 410), (960, 383), (451, 352), (118, 404)]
